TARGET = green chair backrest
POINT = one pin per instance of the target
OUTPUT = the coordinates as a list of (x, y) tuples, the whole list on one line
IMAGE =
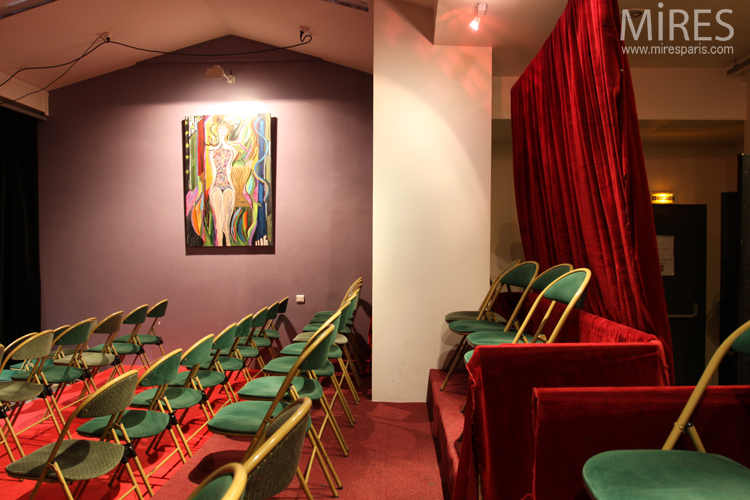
[(565, 289), (163, 371), (111, 398), (742, 343), (272, 311), (276, 470), (543, 280), (158, 310), (34, 347), (283, 304), (521, 275), (243, 326), (110, 324), (199, 353), (317, 358), (225, 339), (260, 318), (76, 334), (136, 316), (569, 289)]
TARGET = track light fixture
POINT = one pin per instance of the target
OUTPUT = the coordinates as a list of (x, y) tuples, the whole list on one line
[(217, 71), (479, 10)]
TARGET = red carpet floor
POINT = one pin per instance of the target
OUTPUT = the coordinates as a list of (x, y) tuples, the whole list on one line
[(392, 456)]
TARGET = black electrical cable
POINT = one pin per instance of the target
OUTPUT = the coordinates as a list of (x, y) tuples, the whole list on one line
[(57, 65), (304, 38), (72, 63)]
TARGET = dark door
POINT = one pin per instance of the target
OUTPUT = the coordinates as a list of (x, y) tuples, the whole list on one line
[(683, 228)]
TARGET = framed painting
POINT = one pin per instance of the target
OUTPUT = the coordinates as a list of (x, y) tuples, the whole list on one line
[(227, 180)]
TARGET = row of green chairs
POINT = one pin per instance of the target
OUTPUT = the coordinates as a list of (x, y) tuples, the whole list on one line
[(560, 283)]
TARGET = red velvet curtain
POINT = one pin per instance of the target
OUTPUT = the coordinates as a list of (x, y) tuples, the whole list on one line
[(580, 178)]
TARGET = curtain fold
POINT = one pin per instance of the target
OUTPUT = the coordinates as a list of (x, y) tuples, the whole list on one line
[(20, 282), (579, 173)]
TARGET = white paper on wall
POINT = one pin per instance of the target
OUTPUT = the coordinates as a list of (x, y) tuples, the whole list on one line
[(666, 254)]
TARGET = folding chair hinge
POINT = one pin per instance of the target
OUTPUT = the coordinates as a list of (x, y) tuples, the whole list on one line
[(140, 350), (204, 397), (687, 426), (3, 413), (159, 340), (47, 391), (128, 453), (86, 374), (117, 361), (172, 419)]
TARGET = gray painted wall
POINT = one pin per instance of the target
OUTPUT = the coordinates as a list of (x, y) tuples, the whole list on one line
[(112, 207)]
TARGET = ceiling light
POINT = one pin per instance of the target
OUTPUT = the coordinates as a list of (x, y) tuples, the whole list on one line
[(635, 13), (479, 10), (217, 71)]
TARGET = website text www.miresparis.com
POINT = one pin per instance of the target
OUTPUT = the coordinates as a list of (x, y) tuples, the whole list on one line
[(689, 29)]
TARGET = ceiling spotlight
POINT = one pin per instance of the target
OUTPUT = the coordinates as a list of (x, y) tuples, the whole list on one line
[(479, 10), (216, 71), (635, 13)]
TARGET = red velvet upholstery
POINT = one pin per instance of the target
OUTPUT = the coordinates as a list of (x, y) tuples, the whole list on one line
[(499, 402), (570, 425)]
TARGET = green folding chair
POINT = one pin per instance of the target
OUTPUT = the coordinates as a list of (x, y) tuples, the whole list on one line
[(68, 460), (668, 473)]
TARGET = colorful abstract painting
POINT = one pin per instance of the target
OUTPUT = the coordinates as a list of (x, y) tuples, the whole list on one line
[(227, 180)]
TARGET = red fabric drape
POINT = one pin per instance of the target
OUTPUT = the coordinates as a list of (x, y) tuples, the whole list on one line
[(499, 435), (579, 173)]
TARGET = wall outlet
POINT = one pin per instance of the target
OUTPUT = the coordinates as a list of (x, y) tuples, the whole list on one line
[(300, 299)]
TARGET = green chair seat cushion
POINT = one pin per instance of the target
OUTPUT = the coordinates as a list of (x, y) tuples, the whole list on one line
[(297, 348), (492, 338), (315, 327), (318, 320), (217, 488), (179, 397), (326, 371), (247, 351), (323, 314), (261, 342), (79, 459), (471, 326), (6, 374), (243, 418), (665, 474), (304, 337), (272, 334), (468, 355), (138, 423), (13, 392), (54, 374), (268, 387), (91, 359), (228, 364), (144, 339), (207, 378), (280, 365), (122, 348), (461, 316)]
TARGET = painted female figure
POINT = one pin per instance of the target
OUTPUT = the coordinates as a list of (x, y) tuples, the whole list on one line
[(221, 194)]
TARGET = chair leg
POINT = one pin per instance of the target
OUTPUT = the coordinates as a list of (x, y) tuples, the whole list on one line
[(329, 472), (344, 404), (449, 361), (463, 346), (334, 425), (303, 483), (348, 380), (9, 427)]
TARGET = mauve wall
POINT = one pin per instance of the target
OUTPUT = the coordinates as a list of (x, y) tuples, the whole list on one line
[(112, 208)]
